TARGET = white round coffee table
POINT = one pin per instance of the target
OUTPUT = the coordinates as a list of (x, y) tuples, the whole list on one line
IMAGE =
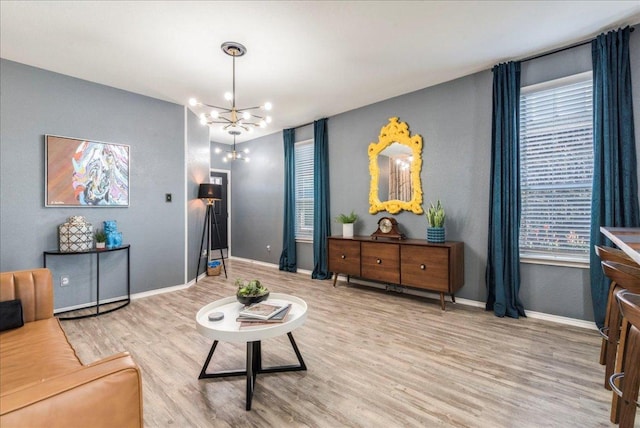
[(229, 330)]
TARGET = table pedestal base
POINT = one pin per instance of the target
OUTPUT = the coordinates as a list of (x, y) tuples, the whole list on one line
[(254, 366)]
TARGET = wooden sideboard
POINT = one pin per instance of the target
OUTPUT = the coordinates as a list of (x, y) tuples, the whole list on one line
[(409, 262)]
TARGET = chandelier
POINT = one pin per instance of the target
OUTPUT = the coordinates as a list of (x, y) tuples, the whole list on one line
[(233, 154), (234, 120)]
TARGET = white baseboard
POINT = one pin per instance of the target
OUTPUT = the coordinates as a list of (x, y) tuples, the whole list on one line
[(468, 302), (88, 305), (134, 296), (255, 262), (530, 314), (562, 320), (169, 289)]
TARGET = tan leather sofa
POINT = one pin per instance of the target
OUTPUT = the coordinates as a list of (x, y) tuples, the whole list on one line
[(42, 381)]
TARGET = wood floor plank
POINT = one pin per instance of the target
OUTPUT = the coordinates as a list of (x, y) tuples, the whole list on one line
[(374, 358)]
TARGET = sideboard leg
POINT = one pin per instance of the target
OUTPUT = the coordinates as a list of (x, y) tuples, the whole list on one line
[(335, 278), (453, 297), (442, 301)]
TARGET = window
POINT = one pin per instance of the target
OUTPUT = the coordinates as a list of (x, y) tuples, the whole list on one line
[(556, 169), (304, 190)]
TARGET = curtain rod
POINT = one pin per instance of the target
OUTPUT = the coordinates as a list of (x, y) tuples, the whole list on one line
[(575, 45), (304, 124)]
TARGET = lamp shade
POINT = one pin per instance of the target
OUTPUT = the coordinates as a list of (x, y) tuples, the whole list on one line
[(210, 191)]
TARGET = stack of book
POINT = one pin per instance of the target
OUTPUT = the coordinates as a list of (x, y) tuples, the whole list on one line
[(263, 313)]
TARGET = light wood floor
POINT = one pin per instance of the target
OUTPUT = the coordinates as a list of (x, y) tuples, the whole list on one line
[(375, 359)]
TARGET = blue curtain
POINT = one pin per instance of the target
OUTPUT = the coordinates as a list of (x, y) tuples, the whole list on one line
[(614, 200), (321, 219), (503, 256), (288, 257)]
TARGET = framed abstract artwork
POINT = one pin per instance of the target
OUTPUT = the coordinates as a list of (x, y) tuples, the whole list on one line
[(85, 173)]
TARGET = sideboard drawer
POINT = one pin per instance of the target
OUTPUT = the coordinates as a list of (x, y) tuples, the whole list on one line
[(380, 261), (425, 267), (344, 257)]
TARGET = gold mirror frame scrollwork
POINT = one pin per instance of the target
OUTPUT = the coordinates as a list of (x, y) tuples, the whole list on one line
[(396, 132)]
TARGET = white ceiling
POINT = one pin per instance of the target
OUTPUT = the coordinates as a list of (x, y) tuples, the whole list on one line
[(311, 59)]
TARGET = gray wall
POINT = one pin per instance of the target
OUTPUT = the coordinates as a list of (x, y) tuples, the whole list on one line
[(257, 201), (257, 213), (35, 102), (454, 119), (197, 172), (216, 158)]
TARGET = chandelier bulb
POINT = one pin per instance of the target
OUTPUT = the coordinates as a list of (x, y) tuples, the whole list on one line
[(268, 106), (224, 160), (228, 96), (217, 150), (214, 114), (193, 102), (246, 159), (203, 121), (246, 150), (246, 115), (263, 124), (268, 119)]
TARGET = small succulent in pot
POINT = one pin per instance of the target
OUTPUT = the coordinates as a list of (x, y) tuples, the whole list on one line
[(436, 215), (101, 238), (250, 292)]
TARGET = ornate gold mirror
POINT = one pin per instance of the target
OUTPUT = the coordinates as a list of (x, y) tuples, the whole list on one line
[(395, 162)]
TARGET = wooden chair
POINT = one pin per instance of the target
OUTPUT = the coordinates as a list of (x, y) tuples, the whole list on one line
[(609, 254), (625, 277), (625, 398)]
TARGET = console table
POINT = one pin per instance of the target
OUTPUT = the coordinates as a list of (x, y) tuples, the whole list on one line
[(414, 263), (98, 253)]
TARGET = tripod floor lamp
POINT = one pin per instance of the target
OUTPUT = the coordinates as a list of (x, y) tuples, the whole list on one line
[(211, 193)]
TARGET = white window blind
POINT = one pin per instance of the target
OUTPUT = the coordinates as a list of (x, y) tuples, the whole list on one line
[(304, 190), (556, 169)]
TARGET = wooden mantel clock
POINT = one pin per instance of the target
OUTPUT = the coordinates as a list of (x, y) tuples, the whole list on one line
[(387, 228)]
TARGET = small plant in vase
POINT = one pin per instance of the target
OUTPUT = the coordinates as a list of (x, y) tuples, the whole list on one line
[(250, 292), (347, 223), (101, 238), (435, 217)]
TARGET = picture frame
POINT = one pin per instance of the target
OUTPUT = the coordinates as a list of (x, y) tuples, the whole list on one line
[(85, 173)]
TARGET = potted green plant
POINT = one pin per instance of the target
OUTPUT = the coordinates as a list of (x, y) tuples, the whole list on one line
[(347, 223), (436, 216), (101, 238), (250, 292)]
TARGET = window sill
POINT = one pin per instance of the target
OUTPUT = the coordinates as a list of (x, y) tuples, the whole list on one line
[(555, 261), (304, 240)]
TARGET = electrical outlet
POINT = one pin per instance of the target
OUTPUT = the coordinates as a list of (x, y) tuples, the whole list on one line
[(168, 197), (268, 247), (64, 280)]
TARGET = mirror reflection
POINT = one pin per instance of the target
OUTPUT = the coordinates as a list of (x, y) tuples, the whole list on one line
[(395, 173)]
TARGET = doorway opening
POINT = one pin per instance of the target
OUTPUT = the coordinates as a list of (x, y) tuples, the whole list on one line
[(221, 207)]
